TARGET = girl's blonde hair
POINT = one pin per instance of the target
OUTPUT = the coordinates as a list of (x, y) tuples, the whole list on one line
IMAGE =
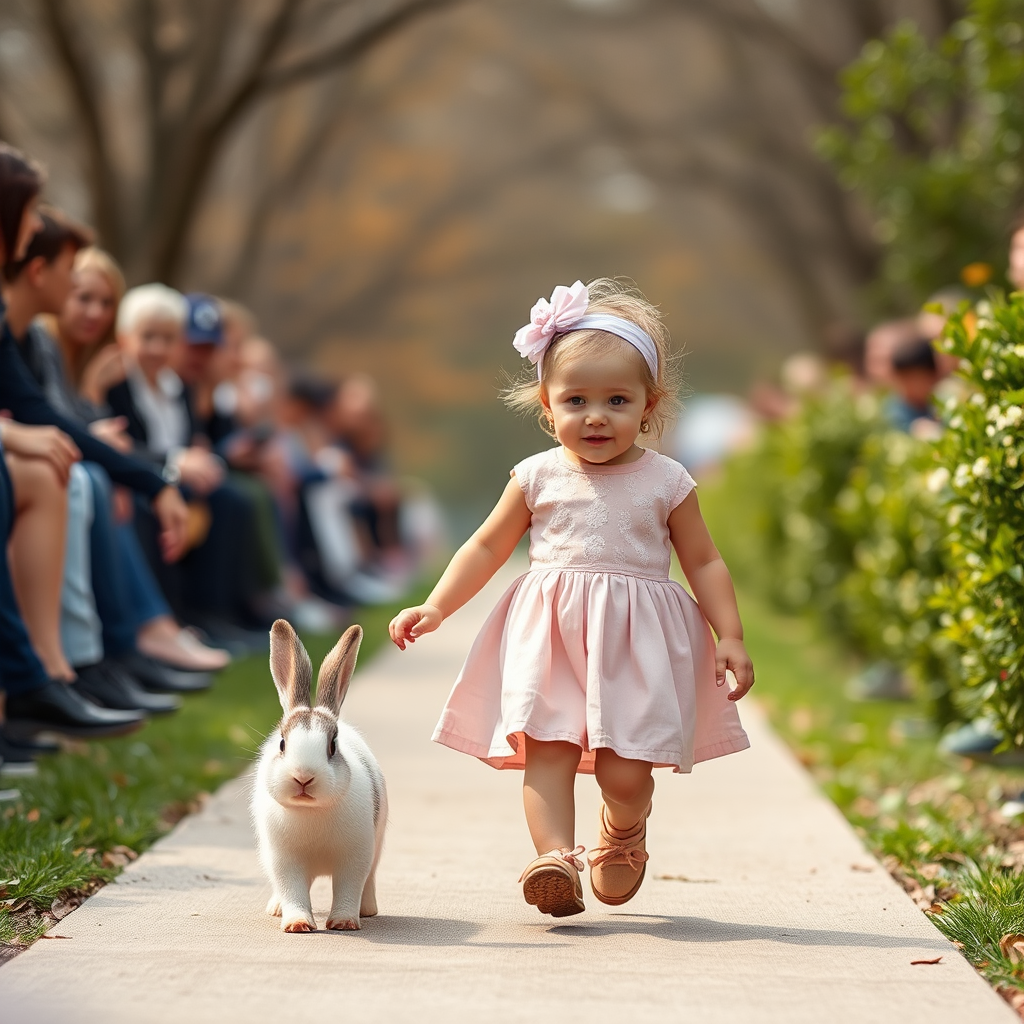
[(77, 358), (620, 297)]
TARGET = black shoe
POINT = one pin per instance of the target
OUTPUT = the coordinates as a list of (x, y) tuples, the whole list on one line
[(55, 707), (33, 747), (110, 686), (15, 760), (237, 640), (159, 677)]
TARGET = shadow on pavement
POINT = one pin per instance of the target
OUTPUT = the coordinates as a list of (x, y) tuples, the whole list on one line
[(702, 929)]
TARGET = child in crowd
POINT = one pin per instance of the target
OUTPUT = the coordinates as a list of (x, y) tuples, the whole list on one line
[(594, 660), (915, 373)]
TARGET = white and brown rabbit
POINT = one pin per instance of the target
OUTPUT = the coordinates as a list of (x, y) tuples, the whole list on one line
[(319, 803)]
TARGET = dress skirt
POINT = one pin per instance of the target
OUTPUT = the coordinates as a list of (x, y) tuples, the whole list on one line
[(599, 659)]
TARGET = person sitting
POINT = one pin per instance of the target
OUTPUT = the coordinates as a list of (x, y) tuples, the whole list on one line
[(212, 584), (34, 701), (100, 623)]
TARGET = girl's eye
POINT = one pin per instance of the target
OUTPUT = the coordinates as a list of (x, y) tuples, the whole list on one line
[(332, 746), (282, 744), (576, 400), (617, 400)]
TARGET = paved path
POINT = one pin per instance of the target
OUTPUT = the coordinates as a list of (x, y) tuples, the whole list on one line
[(757, 907)]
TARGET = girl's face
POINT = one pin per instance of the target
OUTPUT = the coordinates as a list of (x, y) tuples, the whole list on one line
[(89, 312), (597, 406), (150, 344)]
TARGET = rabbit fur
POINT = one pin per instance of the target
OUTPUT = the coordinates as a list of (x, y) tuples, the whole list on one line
[(319, 804)]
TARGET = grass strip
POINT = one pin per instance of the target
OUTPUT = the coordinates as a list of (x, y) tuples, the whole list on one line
[(94, 807), (935, 822)]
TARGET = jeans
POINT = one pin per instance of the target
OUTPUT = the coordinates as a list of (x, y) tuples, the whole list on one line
[(127, 595), (80, 628)]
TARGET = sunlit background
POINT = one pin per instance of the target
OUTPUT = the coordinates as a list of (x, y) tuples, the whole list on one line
[(390, 187)]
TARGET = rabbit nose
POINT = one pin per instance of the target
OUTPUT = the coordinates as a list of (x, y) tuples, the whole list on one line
[(303, 785)]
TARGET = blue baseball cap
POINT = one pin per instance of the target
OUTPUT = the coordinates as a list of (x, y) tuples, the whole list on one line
[(205, 323)]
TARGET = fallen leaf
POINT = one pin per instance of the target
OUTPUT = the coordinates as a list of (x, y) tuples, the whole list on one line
[(937, 960), (56, 936), (112, 859), (861, 867), (684, 878), (32, 815), (1014, 996), (935, 908), (1012, 947)]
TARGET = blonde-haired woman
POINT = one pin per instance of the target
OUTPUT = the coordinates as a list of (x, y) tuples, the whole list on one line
[(85, 327), (138, 628)]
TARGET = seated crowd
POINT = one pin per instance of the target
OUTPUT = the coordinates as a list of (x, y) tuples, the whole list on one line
[(167, 489)]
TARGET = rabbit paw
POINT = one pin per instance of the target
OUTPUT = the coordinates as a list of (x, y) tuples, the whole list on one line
[(298, 924), (343, 924), (274, 907)]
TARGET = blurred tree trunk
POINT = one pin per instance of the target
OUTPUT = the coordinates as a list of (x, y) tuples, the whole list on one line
[(203, 68), (768, 168)]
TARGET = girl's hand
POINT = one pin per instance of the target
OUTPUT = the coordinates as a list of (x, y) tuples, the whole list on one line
[(732, 655), (411, 623)]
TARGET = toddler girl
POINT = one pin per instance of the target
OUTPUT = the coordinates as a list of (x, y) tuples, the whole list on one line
[(594, 660)]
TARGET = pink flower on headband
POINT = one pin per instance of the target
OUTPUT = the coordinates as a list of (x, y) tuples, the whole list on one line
[(547, 319)]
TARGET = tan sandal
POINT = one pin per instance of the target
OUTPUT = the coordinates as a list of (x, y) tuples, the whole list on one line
[(552, 883), (618, 864)]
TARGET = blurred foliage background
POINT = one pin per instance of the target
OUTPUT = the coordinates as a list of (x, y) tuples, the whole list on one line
[(390, 184)]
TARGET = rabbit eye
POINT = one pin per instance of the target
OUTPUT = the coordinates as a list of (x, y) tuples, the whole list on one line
[(332, 746), (282, 744)]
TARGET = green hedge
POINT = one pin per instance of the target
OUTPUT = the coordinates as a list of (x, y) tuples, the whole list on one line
[(908, 550)]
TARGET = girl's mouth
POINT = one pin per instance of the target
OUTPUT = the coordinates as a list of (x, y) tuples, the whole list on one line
[(596, 439)]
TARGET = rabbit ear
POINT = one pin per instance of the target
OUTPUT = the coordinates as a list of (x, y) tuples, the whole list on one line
[(290, 666), (336, 671)]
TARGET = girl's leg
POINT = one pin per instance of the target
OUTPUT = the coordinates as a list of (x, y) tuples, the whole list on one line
[(619, 862), (37, 557), (549, 793), (626, 786)]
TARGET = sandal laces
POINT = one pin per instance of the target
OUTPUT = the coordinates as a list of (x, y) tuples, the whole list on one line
[(631, 855), (571, 857)]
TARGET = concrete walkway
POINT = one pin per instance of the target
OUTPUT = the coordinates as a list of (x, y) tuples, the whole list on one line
[(760, 905)]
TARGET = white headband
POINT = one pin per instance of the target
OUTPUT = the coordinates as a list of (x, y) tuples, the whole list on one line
[(567, 311)]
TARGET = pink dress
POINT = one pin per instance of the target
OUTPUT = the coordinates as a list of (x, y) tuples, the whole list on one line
[(595, 645)]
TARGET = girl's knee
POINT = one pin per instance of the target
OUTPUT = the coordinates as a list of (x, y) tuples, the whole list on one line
[(621, 778)]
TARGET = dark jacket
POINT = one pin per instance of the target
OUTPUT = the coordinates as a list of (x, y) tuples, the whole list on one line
[(121, 402), (22, 397)]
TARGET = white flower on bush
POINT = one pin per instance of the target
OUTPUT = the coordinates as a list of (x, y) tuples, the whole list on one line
[(962, 476), (988, 373), (977, 398), (1018, 350), (980, 470), (937, 479), (993, 413)]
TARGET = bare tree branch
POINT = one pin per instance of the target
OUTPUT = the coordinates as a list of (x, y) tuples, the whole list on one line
[(85, 95), (352, 48)]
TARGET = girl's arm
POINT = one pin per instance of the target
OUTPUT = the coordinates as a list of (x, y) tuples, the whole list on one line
[(712, 587), (473, 565)]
